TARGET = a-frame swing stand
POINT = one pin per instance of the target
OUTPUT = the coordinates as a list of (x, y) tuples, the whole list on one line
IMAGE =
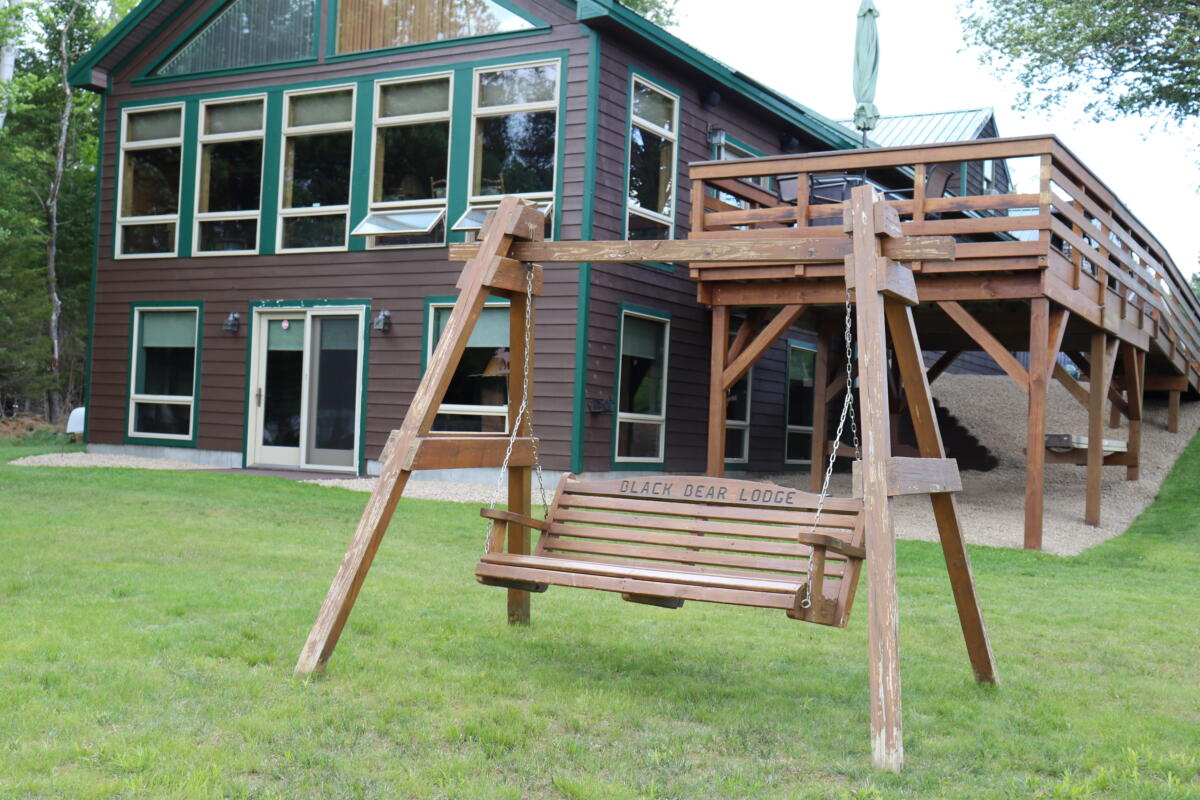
[(884, 291)]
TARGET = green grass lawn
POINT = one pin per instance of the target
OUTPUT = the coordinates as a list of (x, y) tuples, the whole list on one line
[(149, 622)]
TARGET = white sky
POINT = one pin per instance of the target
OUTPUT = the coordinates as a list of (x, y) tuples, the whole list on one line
[(805, 49)]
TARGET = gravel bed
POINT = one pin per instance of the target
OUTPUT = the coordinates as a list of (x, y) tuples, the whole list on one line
[(478, 493), (102, 460)]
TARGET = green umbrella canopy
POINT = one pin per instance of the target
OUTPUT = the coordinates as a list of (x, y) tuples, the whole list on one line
[(866, 67)]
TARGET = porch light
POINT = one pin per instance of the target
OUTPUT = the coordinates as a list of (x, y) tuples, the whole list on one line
[(716, 137), (232, 322), (383, 321)]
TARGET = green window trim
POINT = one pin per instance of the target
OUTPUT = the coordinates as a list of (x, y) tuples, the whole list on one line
[(185, 183), (460, 144), (618, 462), (365, 356), (135, 310)]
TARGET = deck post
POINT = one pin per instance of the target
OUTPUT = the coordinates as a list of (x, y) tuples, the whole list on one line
[(1035, 428), (1097, 396), (519, 483), (826, 334), (1173, 411), (883, 632), (1135, 385), (718, 396)]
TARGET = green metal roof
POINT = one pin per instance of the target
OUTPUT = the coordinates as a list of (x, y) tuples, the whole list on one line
[(937, 127)]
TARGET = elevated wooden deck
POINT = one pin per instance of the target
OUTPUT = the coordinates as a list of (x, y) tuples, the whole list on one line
[(1066, 269)]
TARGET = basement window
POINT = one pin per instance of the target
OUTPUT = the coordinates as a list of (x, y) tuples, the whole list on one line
[(162, 393), (642, 387)]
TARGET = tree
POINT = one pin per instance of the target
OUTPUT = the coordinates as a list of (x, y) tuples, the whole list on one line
[(660, 12), (1130, 57), (47, 158)]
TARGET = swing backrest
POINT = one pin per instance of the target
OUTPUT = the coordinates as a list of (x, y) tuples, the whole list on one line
[(712, 526)]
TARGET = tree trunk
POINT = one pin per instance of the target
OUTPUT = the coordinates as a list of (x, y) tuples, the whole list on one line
[(8, 52), (54, 396)]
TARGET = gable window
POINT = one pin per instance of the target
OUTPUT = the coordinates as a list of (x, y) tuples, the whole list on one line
[(642, 387), (248, 33), (318, 144), (229, 188), (374, 24), (652, 168), (800, 369), (148, 201), (162, 384), (411, 162), (477, 398)]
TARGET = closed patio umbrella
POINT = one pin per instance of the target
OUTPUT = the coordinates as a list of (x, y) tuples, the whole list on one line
[(866, 68)]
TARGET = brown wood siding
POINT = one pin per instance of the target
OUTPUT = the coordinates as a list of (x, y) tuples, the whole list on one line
[(397, 280), (670, 291)]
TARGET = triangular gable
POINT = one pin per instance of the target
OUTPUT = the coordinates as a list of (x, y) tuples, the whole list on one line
[(246, 33)]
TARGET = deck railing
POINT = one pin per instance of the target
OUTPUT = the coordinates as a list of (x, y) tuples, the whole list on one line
[(1093, 255)]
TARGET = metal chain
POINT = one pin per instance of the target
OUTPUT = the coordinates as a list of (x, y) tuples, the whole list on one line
[(847, 411), (525, 410)]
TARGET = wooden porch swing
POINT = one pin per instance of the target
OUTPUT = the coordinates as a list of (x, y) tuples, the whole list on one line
[(662, 541)]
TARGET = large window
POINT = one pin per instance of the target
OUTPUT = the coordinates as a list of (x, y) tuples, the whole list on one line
[(642, 387), (800, 370), (652, 168), (317, 150), (162, 385), (229, 186), (374, 24), (477, 399), (148, 194), (248, 33), (411, 162)]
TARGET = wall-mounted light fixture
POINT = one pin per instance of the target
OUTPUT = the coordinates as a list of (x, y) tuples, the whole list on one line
[(789, 143), (709, 98), (716, 138), (383, 321), (232, 322)]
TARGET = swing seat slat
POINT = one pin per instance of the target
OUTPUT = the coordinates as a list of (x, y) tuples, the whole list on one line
[(661, 541)]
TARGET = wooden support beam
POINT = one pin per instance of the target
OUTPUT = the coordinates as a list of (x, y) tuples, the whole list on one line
[(907, 349), (1173, 411), (770, 332), (520, 484), (826, 337), (751, 325), (1035, 426), (1070, 384), (914, 476), (466, 452), (883, 627), (990, 344), (1058, 328), (782, 248), (1134, 362), (513, 218), (896, 280), (718, 392), (941, 365), (1102, 361)]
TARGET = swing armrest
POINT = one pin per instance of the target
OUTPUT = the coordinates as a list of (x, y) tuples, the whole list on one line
[(512, 517), (831, 543)]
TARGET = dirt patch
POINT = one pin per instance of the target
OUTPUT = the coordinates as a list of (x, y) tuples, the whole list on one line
[(20, 427), (991, 504)]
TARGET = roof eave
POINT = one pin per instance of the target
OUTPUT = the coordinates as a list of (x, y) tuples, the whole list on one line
[(601, 12), (88, 72)]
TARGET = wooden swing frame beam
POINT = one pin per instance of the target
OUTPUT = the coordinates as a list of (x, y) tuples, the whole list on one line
[(884, 291)]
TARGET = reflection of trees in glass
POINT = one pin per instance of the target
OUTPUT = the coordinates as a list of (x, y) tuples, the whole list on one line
[(413, 162), (233, 176), (516, 153), (248, 33), (151, 182), (319, 170), (650, 158), (372, 24), (516, 86)]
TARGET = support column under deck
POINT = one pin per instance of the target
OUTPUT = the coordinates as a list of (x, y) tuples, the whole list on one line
[(1035, 428)]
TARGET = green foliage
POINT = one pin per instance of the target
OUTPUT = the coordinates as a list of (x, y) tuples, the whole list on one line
[(1196, 284), (27, 164), (151, 621), (1131, 58), (660, 12)]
